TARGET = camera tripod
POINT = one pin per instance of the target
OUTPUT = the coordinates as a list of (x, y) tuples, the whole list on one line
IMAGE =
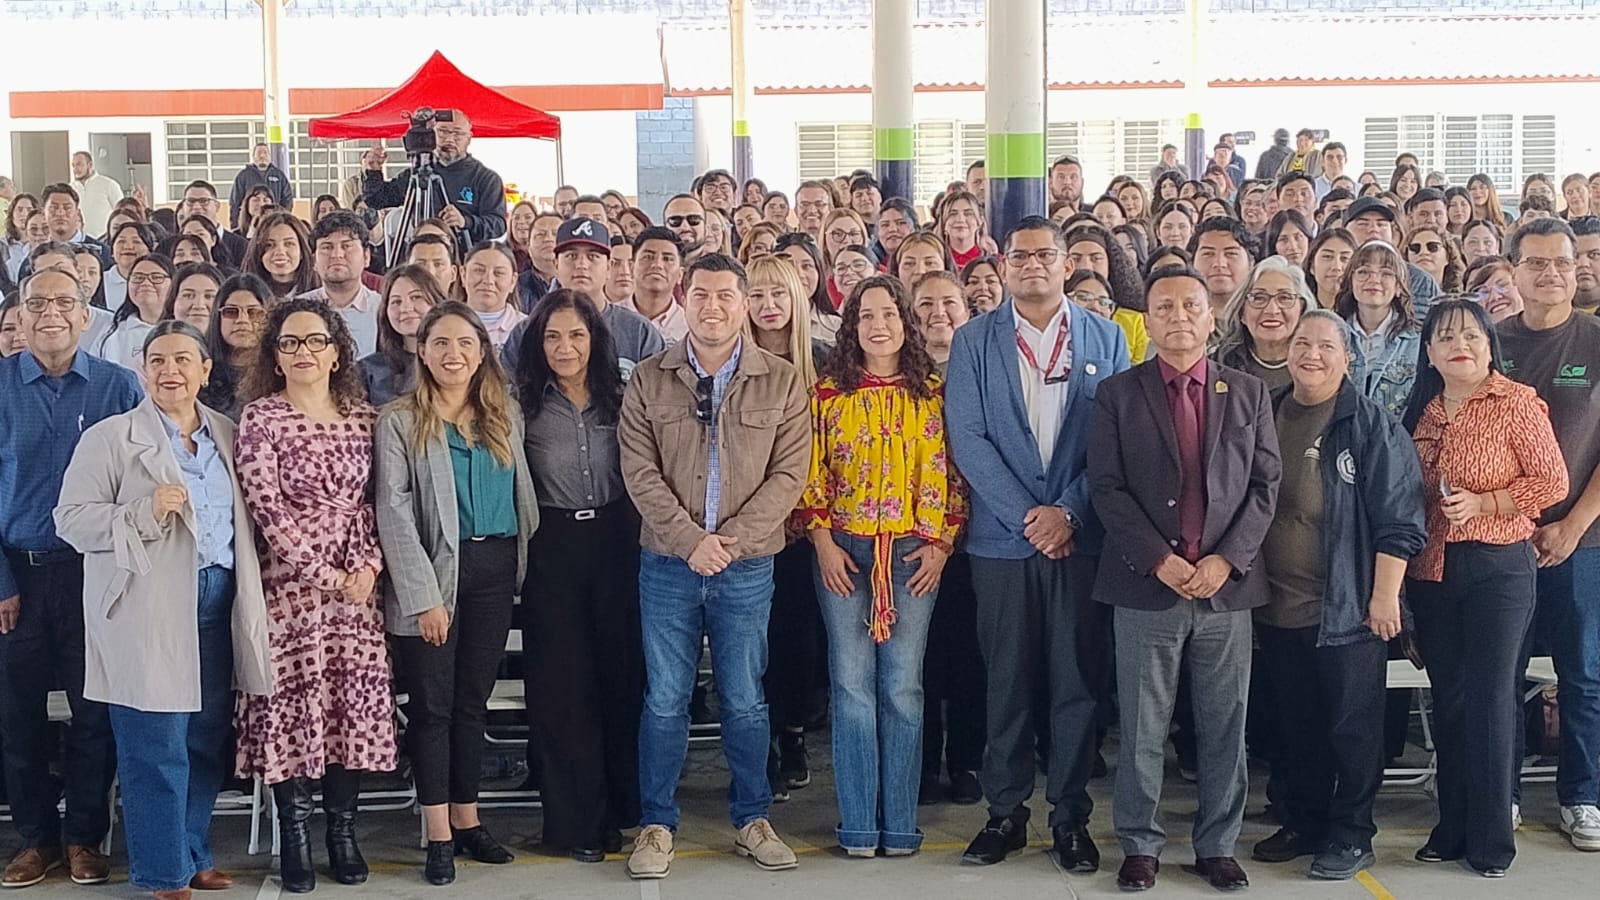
[(418, 206)]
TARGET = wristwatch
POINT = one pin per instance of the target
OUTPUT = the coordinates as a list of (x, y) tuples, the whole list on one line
[(1072, 519)]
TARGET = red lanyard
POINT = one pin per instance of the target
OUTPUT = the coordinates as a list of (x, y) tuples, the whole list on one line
[(1055, 356)]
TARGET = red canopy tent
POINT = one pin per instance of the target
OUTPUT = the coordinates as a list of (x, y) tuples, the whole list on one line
[(441, 85)]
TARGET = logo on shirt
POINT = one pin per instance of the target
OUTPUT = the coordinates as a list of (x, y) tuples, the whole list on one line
[(1571, 376), (466, 195), (1346, 464)]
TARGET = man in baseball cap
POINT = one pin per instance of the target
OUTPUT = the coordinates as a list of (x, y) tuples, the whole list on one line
[(583, 257), (1370, 219)]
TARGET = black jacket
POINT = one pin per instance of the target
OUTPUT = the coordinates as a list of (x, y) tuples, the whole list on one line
[(1272, 160), (469, 186), (272, 178), (1371, 502)]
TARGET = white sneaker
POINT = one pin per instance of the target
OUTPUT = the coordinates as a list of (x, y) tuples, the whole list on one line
[(1516, 817), (652, 853), (758, 841), (1582, 825)]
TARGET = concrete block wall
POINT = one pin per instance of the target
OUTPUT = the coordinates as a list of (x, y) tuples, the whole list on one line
[(666, 153)]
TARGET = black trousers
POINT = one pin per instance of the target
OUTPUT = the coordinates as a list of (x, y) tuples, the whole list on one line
[(796, 641), (1329, 703), (953, 723), (1037, 626), (585, 681), (45, 651), (1470, 629), (449, 685)]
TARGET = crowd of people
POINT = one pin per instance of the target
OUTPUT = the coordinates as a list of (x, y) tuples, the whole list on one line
[(1178, 456)]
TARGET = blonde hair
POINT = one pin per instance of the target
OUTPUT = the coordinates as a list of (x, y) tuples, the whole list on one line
[(747, 242), (836, 215), (777, 271), (487, 396)]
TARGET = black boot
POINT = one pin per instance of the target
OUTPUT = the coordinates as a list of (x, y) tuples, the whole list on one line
[(339, 789), (293, 799), (441, 867)]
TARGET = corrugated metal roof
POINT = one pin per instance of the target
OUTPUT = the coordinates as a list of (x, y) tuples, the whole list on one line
[(1126, 52)]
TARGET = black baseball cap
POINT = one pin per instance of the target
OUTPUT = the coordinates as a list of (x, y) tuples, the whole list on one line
[(583, 231), (1366, 205)]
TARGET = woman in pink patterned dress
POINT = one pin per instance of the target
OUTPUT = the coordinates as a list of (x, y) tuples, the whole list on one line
[(305, 457)]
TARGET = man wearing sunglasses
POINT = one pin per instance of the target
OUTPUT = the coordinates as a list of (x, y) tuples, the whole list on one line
[(50, 393), (686, 216), (716, 447)]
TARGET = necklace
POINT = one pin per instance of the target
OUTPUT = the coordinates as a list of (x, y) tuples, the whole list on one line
[(1266, 365)]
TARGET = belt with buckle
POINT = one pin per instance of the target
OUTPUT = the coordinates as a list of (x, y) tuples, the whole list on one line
[(41, 558), (574, 515)]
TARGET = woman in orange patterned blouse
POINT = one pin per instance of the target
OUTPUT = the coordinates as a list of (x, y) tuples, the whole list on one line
[(1490, 465), (883, 508)]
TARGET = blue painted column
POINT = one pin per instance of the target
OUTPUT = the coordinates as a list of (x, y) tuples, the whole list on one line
[(893, 127), (1014, 101)]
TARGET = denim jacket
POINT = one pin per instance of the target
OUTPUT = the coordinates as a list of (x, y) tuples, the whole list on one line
[(1372, 503), (1388, 378)]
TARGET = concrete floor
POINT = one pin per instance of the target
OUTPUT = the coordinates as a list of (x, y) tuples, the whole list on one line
[(706, 867)]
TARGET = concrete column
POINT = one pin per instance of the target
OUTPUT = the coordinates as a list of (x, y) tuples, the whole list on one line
[(1195, 151), (740, 27), (276, 99), (1014, 100), (893, 127)]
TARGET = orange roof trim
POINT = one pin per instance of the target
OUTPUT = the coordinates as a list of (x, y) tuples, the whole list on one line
[(307, 101)]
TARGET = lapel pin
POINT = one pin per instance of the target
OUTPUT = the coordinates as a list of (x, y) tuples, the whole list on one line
[(1089, 369), (1222, 387)]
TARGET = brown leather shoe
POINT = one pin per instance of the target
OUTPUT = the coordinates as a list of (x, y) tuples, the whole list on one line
[(211, 880), (1223, 872), (30, 866), (179, 894), (1138, 873), (88, 865)]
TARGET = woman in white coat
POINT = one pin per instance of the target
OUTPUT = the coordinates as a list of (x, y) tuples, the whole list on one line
[(174, 615)]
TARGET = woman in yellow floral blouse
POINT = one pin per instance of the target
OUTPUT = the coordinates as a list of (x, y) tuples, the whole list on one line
[(882, 508)]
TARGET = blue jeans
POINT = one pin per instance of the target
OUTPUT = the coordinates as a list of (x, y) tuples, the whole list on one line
[(877, 702), (676, 609), (1569, 608), (173, 764)]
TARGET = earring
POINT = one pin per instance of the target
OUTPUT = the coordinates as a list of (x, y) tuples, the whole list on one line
[(278, 370), (335, 367)]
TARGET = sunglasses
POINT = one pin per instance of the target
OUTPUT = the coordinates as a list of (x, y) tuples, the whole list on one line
[(703, 409), (1430, 246), (677, 221), (254, 313)]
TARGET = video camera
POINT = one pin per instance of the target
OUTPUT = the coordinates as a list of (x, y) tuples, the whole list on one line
[(419, 138)]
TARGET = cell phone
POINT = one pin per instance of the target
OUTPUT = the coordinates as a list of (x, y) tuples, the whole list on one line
[(1444, 486)]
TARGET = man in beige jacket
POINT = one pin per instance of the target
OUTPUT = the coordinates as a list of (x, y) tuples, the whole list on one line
[(716, 447)]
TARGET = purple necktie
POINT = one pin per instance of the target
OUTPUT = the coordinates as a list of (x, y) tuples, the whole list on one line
[(1192, 496)]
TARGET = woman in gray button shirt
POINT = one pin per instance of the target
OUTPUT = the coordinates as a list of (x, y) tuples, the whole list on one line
[(585, 682)]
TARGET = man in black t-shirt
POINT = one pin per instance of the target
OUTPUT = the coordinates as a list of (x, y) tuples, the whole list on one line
[(1556, 351)]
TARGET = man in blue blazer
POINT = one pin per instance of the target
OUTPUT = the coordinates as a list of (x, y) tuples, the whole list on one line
[(1184, 465), (1020, 390)]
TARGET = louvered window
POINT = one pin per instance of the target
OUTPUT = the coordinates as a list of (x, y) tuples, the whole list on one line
[(1506, 147)]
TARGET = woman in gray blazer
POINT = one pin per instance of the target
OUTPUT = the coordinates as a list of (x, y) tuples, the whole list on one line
[(174, 615), (456, 508)]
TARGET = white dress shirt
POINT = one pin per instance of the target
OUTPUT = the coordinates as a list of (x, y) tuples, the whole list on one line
[(1045, 403)]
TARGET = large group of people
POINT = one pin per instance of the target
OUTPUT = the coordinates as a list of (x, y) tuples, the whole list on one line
[(1182, 456)]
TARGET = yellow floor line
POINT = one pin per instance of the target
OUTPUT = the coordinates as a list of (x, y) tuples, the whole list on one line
[(1374, 887)]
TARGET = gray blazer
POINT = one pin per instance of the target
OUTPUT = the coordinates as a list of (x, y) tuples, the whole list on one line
[(141, 632), (418, 527)]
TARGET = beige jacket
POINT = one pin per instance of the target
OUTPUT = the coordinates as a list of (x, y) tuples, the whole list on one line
[(140, 578), (765, 432)]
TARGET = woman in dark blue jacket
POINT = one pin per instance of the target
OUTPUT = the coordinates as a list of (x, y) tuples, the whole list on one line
[(1349, 515)]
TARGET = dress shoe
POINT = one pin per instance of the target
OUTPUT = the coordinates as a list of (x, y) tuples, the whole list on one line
[(211, 880), (587, 854), (965, 789), (1283, 846), (1222, 872), (179, 894), (88, 865), (441, 866), (611, 841), (1076, 849), (30, 866), (479, 844), (1429, 854), (1138, 873), (1000, 837)]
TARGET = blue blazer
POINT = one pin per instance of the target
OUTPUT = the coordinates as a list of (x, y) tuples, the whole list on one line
[(995, 449)]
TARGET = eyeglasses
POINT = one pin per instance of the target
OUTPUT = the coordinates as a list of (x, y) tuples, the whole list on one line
[(290, 344), (1430, 246), (1543, 263), (1046, 256), (1281, 299), (253, 313), (63, 303), (1090, 301), (199, 201), (1366, 274), (155, 278), (677, 221), (703, 408), (859, 267), (841, 236)]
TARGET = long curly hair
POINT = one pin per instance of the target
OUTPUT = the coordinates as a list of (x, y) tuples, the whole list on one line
[(266, 378), (848, 362), (488, 395)]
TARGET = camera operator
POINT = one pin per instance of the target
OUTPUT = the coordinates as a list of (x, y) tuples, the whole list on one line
[(474, 198)]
